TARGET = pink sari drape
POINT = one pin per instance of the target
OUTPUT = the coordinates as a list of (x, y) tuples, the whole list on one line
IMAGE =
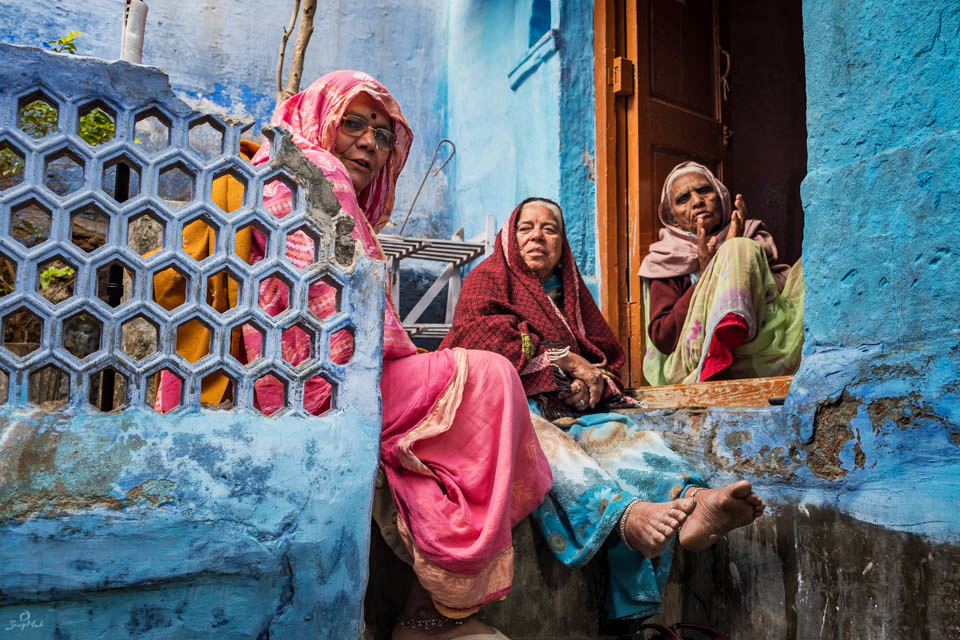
[(458, 448)]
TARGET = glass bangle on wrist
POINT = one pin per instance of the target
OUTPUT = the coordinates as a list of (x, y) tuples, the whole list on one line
[(557, 353)]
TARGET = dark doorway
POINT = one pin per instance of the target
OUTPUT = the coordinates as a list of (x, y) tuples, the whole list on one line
[(767, 113)]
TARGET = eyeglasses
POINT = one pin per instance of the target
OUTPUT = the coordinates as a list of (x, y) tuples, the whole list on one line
[(355, 126)]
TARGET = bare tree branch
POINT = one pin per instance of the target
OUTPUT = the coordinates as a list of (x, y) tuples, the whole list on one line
[(299, 50), (283, 49)]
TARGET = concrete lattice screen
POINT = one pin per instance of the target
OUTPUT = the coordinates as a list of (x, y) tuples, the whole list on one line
[(95, 209), (113, 516)]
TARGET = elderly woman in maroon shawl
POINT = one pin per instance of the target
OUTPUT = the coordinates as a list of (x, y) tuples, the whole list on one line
[(719, 302), (528, 302)]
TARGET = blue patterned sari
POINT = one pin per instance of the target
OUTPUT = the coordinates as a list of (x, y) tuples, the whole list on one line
[(601, 463)]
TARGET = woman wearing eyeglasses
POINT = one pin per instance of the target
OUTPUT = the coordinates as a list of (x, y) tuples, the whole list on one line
[(458, 448)]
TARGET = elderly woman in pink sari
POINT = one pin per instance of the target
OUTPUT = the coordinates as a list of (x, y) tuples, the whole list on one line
[(458, 449), (720, 304)]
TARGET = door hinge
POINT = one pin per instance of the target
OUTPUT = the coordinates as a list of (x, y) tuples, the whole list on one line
[(622, 76)]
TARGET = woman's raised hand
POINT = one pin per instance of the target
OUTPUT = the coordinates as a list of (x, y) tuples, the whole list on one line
[(706, 247), (587, 387), (737, 217)]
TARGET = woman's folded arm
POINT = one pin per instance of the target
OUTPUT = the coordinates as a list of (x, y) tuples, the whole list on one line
[(669, 302)]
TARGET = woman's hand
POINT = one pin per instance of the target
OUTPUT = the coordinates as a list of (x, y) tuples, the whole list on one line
[(587, 387), (706, 247), (737, 217)]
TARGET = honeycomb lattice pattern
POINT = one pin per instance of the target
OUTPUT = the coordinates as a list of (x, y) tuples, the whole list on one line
[(95, 191)]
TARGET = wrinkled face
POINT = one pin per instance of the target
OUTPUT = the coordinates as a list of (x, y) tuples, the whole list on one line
[(540, 238), (360, 155), (692, 198)]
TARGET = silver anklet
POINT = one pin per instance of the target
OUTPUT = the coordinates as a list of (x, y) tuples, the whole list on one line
[(426, 624), (622, 526)]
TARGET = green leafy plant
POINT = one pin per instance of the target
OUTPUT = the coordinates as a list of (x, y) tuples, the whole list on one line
[(54, 275), (10, 163), (96, 127), (66, 44), (38, 119)]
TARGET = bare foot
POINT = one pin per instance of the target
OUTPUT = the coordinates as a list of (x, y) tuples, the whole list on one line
[(719, 511), (651, 525)]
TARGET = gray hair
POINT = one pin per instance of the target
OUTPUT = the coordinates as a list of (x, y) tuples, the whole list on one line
[(552, 206)]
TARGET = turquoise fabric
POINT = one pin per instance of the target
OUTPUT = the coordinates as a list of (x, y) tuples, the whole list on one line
[(600, 464)]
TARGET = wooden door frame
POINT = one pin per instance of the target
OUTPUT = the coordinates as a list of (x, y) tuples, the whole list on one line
[(610, 159)]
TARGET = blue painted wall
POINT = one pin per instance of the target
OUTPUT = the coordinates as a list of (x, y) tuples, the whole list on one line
[(877, 395), (522, 114), (221, 56)]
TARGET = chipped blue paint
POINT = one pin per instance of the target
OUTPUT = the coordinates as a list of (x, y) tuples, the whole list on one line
[(199, 523)]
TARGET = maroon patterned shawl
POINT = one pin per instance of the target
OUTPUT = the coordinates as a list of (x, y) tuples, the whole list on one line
[(503, 308)]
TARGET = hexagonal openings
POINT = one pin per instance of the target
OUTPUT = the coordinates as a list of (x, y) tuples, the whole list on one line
[(217, 385), (55, 279), (235, 190), (319, 395), (8, 275), (152, 131), (206, 137), (108, 390), (121, 179), (4, 386), (341, 346), (97, 123), (175, 184), (193, 340), (88, 227), (11, 165), (63, 172), (115, 282), (274, 295), (280, 196), (170, 287), (49, 387), (251, 243), (324, 298), (302, 248), (30, 223), (246, 343), (163, 391), (138, 338), (145, 233), (81, 335), (223, 291), (269, 394), (22, 331), (298, 345), (37, 115), (198, 236)]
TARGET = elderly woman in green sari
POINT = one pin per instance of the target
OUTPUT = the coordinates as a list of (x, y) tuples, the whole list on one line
[(719, 303)]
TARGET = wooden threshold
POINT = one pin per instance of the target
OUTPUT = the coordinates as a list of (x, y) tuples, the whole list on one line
[(752, 392)]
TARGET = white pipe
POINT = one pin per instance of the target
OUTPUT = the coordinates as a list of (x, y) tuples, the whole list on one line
[(134, 23)]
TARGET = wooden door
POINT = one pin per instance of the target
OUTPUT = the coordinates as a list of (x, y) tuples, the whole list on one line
[(673, 114)]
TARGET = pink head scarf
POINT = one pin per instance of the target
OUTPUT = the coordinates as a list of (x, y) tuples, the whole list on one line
[(313, 116), (675, 253)]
